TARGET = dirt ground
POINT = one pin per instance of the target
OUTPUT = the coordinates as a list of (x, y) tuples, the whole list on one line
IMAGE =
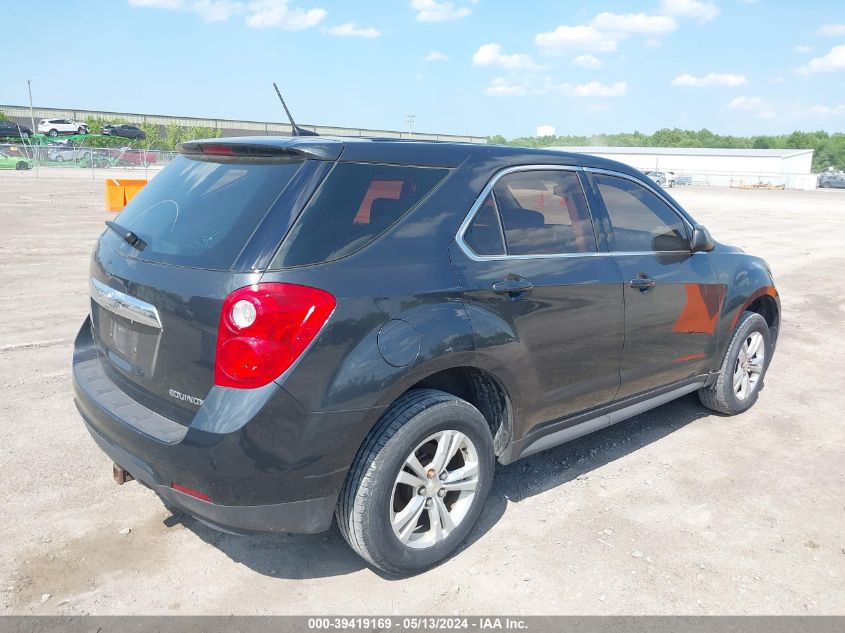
[(675, 511)]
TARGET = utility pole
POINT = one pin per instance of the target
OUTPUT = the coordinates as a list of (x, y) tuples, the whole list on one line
[(411, 118), (32, 122), (31, 115)]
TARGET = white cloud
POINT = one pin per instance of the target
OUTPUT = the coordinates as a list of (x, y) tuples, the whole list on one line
[(755, 105), (491, 55), (264, 14), (260, 14), (803, 48), (832, 30), (823, 110), (157, 4), (587, 61), (833, 61), (746, 103), (434, 11), (695, 9), (436, 56), (606, 30), (350, 29), (216, 10), (546, 130), (582, 37), (639, 23), (711, 79), (518, 87), (596, 89), (501, 87)]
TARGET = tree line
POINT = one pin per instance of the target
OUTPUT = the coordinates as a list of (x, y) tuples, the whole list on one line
[(829, 148)]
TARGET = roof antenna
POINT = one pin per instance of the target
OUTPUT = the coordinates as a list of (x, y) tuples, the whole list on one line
[(295, 129)]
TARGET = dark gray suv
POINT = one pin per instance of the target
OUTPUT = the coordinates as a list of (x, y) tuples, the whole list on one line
[(284, 330)]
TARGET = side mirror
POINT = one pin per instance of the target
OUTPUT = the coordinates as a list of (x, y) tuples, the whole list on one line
[(702, 241)]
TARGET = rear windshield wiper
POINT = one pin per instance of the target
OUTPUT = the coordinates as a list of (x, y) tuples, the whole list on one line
[(128, 236)]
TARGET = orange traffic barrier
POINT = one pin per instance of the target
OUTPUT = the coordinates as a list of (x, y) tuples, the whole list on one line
[(120, 191)]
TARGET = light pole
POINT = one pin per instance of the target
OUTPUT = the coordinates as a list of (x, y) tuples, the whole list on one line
[(31, 115), (32, 122), (411, 118)]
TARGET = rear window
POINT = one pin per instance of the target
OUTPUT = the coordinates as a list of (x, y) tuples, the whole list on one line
[(355, 204), (201, 214)]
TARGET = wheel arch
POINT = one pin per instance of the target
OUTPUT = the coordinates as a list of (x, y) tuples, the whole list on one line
[(766, 305), (482, 390)]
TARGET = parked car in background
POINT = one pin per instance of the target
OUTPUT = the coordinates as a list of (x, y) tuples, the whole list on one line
[(287, 330), (123, 130), (9, 160), (832, 181), (128, 156), (67, 152), (54, 127), (10, 129), (663, 178)]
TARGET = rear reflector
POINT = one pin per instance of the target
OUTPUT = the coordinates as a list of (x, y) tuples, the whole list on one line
[(264, 328), (190, 491)]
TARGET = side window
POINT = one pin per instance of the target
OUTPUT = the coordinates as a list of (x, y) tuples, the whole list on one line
[(379, 190), (641, 221), (354, 205), (484, 235), (544, 213)]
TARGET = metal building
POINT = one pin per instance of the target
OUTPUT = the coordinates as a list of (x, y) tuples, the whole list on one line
[(791, 168)]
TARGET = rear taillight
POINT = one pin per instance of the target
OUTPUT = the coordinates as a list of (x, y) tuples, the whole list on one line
[(264, 328)]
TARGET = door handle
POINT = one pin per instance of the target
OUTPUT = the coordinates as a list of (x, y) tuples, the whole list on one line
[(642, 282), (512, 287)]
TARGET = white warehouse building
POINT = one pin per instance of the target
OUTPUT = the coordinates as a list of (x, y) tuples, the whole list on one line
[(791, 168)]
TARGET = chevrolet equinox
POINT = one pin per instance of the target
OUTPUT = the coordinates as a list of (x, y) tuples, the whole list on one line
[(285, 330)]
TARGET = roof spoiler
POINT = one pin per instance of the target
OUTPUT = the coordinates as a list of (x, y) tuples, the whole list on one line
[(295, 129), (261, 148)]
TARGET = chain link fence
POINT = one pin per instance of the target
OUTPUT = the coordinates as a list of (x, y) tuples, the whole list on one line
[(63, 157), (735, 179)]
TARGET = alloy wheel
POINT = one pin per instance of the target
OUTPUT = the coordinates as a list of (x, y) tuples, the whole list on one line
[(749, 365), (434, 489)]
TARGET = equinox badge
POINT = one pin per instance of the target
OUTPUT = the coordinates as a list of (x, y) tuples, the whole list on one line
[(185, 397)]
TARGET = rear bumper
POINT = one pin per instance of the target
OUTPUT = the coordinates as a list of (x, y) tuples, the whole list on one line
[(308, 516), (266, 464)]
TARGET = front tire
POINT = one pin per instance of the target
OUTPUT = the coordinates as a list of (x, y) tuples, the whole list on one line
[(743, 369), (53, 133), (21, 165), (419, 482)]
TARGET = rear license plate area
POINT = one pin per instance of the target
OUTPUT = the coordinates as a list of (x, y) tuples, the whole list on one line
[(129, 345)]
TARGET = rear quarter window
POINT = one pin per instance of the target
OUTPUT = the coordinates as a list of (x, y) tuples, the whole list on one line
[(355, 204)]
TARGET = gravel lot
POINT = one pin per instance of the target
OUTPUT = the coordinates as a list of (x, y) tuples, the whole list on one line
[(675, 511)]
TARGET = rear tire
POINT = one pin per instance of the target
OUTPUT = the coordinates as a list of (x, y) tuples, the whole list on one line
[(21, 165), (381, 485), (743, 368)]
